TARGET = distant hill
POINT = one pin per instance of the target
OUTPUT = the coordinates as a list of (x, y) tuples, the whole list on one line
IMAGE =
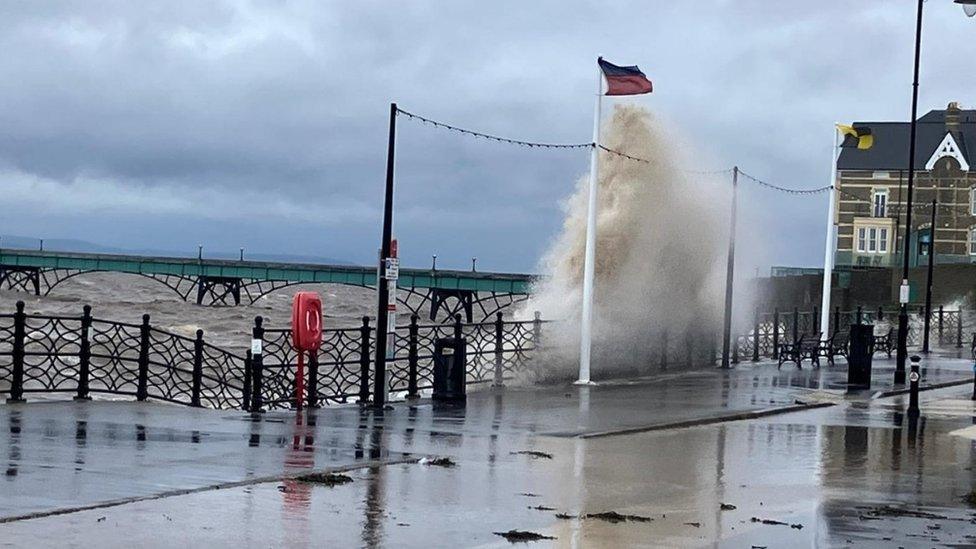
[(83, 246)]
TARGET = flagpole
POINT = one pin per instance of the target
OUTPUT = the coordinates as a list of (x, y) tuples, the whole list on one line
[(586, 318), (829, 244)]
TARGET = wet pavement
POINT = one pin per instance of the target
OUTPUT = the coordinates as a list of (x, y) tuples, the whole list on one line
[(851, 474)]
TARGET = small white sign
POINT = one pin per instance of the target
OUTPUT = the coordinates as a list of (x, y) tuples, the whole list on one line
[(256, 346), (392, 268), (903, 292), (913, 377)]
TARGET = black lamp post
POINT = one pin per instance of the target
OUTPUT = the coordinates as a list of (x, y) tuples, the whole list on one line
[(970, 8)]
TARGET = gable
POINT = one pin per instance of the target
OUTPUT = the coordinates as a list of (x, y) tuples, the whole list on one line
[(948, 147)]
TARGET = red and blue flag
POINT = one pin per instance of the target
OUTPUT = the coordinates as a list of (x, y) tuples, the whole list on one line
[(624, 80)]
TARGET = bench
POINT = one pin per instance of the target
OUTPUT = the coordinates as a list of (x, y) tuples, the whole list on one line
[(806, 347), (886, 343), (837, 345)]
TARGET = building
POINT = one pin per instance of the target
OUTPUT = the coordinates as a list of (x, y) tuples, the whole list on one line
[(872, 193)]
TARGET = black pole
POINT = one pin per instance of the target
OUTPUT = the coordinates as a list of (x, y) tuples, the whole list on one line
[(928, 282), (727, 332), (903, 312), (913, 388), (383, 292)]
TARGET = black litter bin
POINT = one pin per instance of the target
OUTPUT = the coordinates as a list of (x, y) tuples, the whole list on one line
[(859, 356), (450, 369)]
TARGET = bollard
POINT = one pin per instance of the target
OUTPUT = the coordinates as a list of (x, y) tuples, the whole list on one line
[(776, 333), (412, 391), (312, 387), (913, 378), (84, 355), (755, 336), (499, 349), (364, 361), (142, 389), (197, 369), (257, 365), (246, 390), (17, 355)]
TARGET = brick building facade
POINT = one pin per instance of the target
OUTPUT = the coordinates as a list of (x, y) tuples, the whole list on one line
[(872, 193)]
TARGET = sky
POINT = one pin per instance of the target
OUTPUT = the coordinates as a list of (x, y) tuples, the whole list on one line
[(264, 124)]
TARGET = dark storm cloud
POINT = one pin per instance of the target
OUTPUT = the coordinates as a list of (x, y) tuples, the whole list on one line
[(229, 120)]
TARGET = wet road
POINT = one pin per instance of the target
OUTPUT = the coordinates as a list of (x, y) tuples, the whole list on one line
[(831, 470)]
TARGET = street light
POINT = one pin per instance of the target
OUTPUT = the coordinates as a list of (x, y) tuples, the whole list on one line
[(969, 6)]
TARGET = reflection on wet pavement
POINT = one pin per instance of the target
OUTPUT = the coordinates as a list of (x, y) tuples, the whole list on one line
[(860, 473)]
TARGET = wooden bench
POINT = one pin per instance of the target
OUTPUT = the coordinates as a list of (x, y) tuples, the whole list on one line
[(806, 347), (886, 343), (837, 345)]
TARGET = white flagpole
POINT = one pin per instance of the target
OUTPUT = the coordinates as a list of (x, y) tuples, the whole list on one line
[(829, 244), (586, 319)]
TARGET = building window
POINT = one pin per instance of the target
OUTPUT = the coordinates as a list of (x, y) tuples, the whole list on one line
[(972, 201), (873, 240), (972, 241), (880, 203)]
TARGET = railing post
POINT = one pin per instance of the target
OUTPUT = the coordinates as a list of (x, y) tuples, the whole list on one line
[(246, 397), (412, 391), (312, 387), (84, 355), (776, 333), (142, 389), (796, 324), (664, 349), (197, 369), (499, 349), (257, 365), (940, 324), (755, 336), (959, 329), (17, 355), (836, 320), (364, 361), (457, 327), (537, 330)]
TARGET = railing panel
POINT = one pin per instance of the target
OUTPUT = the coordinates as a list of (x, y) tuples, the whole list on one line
[(52, 349), (114, 357), (170, 367)]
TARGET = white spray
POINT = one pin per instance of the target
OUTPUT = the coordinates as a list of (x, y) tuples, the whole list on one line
[(660, 254)]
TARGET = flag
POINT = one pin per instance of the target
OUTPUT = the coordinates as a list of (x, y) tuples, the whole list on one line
[(859, 137), (624, 80)]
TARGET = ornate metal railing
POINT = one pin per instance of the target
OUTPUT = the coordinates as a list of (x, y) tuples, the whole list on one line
[(85, 355), (341, 370), (770, 330)]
